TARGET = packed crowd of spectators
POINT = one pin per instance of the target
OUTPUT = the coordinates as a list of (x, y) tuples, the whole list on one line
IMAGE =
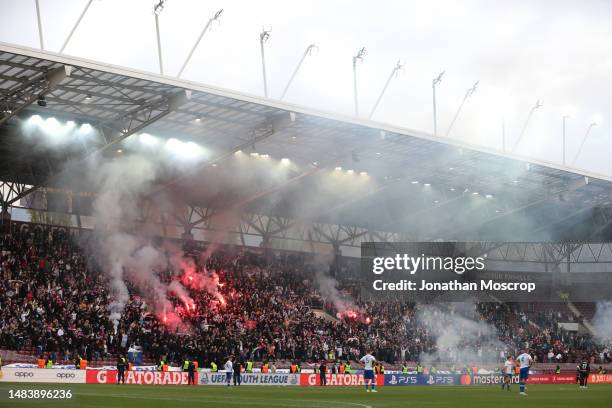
[(53, 298)]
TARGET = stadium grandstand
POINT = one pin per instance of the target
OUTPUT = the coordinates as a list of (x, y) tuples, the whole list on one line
[(487, 191), (177, 221)]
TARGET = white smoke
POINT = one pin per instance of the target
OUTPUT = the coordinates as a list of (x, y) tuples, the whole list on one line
[(458, 334), (602, 322), (328, 288)]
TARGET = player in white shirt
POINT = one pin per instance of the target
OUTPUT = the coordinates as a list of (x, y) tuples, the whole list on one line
[(507, 372), (229, 370), (524, 362), (368, 371)]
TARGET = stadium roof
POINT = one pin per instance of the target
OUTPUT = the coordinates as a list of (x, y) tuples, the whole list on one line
[(464, 191)]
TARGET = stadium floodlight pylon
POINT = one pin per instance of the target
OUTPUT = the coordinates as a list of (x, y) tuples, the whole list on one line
[(157, 9), (468, 93), (394, 73), (309, 51), (357, 59), (535, 107), (76, 25), (39, 25), (584, 139), (436, 81), (264, 36), (214, 18), (564, 119)]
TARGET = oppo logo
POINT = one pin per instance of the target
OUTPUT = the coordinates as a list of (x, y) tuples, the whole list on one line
[(24, 374), (65, 375)]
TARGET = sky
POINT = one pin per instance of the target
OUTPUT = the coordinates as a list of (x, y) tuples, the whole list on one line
[(520, 51)]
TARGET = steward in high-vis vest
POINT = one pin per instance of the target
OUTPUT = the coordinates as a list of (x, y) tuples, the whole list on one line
[(121, 366), (558, 370), (249, 366), (213, 367), (433, 370), (404, 369), (160, 366), (419, 368), (185, 364), (299, 369), (347, 368), (382, 368), (49, 363)]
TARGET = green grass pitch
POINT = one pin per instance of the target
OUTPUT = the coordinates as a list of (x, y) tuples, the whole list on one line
[(147, 396)]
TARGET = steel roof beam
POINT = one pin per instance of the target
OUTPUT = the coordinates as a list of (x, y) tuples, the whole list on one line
[(131, 122), (18, 98)]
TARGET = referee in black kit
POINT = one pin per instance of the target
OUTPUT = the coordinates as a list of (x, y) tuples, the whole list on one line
[(191, 373), (237, 372), (322, 374)]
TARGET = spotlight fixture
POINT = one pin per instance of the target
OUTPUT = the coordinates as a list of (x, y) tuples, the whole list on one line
[(42, 101)]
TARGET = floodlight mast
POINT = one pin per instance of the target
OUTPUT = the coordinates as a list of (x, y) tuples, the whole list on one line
[(263, 38), (535, 107), (357, 59), (157, 9), (309, 51), (38, 19), (564, 119), (76, 26), (584, 139), (468, 93), (206, 27), (435, 82), (398, 67)]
